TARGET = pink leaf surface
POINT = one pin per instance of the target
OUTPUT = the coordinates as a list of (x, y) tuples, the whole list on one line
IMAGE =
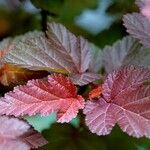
[(16, 134), (58, 94), (125, 101)]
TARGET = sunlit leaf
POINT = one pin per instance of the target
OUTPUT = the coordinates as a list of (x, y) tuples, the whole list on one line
[(58, 94)]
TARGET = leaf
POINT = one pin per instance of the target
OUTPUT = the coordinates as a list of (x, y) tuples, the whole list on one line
[(144, 6), (62, 52), (125, 101), (41, 123), (139, 57), (121, 7), (67, 137), (140, 3), (96, 61), (138, 26), (58, 94), (113, 56), (84, 78), (5, 47), (60, 8), (125, 52), (95, 92), (7, 44), (17, 134), (11, 74)]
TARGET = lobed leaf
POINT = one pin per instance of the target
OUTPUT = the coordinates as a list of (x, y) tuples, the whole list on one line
[(61, 52), (125, 52), (17, 134), (58, 94), (138, 26), (125, 101)]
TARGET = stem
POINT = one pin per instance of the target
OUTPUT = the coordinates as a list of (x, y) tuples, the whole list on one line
[(82, 120), (44, 14)]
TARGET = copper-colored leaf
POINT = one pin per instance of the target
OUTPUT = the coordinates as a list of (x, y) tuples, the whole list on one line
[(13, 74)]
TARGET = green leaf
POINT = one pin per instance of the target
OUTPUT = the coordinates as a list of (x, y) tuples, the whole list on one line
[(67, 137), (53, 6), (122, 7), (65, 9), (41, 123)]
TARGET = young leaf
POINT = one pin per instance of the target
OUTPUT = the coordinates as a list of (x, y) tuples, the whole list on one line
[(61, 52), (17, 134), (125, 52), (58, 94), (138, 26), (125, 101)]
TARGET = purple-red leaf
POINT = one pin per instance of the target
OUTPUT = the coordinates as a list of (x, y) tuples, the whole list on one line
[(144, 6), (126, 51), (58, 94), (125, 101), (84, 78), (61, 52), (16, 134), (138, 26)]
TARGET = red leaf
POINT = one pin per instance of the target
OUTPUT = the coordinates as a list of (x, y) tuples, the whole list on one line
[(42, 97), (125, 101), (16, 134)]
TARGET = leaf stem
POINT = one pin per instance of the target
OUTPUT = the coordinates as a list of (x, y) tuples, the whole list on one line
[(44, 14)]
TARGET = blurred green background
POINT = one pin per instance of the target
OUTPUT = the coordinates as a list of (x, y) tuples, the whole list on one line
[(100, 21)]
